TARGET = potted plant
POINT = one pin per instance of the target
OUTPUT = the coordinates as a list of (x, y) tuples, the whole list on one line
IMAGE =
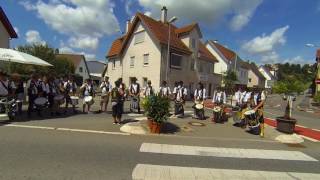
[(286, 123), (156, 108)]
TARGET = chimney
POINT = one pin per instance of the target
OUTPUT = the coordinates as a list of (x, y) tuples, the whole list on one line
[(128, 24), (164, 12)]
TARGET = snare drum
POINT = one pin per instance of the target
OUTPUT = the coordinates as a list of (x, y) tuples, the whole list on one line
[(59, 99), (217, 114), (74, 100), (41, 102), (88, 100), (251, 118)]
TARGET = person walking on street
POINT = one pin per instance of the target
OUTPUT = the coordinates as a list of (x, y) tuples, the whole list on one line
[(148, 90), (165, 90), (134, 93)]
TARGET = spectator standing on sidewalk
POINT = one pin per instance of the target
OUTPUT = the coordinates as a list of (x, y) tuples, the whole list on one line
[(106, 88), (117, 94)]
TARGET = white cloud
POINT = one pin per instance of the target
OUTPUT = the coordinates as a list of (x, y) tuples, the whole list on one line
[(298, 60), (33, 37), (84, 42), (148, 13), (64, 49), (237, 12), (270, 58), (128, 4), (91, 19), (264, 44)]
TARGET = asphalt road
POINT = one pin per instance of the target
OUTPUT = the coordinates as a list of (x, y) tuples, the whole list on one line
[(29, 153)]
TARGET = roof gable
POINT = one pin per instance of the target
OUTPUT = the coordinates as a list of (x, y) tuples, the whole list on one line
[(6, 23), (187, 29), (227, 53), (158, 29), (205, 54)]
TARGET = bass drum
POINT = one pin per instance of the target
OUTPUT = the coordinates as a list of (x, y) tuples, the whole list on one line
[(74, 100), (252, 121), (59, 99), (41, 102), (217, 114)]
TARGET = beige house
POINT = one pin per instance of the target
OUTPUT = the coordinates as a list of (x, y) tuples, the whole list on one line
[(142, 53), (228, 60), (255, 77), (7, 32), (80, 64)]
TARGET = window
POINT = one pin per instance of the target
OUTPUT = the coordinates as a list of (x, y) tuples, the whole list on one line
[(200, 67), (176, 61), (192, 65), (145, 81), (193, 43), (146, 59), (139, 37), (132, 61), (249, 79), (81, 69)]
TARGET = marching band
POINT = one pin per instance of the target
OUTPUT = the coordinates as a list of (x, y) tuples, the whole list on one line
[(52, 92)]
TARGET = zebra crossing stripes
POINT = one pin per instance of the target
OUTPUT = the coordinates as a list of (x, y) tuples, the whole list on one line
[(225, 152), (159, 172)]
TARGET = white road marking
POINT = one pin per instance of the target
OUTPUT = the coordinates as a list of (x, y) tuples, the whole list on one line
[(134, 115), (316, 130), (225, 152), (66, 129), (308, 138), (159, 172)]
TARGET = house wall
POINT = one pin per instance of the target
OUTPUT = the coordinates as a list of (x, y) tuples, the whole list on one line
[(268, 82), (254, 79), (139, 70), (84, 73), (4, 37), (220, 67)]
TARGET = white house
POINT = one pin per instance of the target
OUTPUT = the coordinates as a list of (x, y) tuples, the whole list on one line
[(142, 53), (270, 79), (228, 60), (7, 32), (79, 62), (96, 69)]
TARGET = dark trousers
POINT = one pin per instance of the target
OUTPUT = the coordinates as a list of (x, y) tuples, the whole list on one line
[(117, 110), (178, 109), (31, 104)]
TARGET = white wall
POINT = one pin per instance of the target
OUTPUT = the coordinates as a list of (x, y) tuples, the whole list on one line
[(4, 37), (84, 73), (151, 71), (221, 67)]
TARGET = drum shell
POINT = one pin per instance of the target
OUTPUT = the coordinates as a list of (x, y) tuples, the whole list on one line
[(74, 100), (89, 100), (41, 102), (59, 99)]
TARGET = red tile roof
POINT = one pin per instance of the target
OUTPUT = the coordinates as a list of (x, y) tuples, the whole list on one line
[(157, 28), (186, 29), (205, 54), (6, 23), (229, 54)]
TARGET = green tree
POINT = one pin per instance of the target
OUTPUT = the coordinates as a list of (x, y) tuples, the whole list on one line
[(60, 66), (229, 79)]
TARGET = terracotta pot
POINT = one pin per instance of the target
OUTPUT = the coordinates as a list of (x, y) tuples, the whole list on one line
[(286, 125), (156, 128), (149, 122)]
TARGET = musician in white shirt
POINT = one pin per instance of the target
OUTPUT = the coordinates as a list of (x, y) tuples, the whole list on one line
[(148, 90), (219, 97), (106, 88), (199, 97), (165, 90), (180, 94), (134, 92)]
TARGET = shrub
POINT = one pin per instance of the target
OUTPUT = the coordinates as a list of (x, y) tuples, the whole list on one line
[(157, 108)]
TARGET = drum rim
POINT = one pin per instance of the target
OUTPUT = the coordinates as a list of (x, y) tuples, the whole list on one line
[(251, 112)]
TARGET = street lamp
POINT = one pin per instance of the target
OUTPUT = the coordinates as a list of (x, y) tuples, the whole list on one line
[(173, 19)]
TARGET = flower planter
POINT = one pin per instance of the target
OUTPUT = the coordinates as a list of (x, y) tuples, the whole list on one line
[(149, 122), (286, 125), (156, 128)]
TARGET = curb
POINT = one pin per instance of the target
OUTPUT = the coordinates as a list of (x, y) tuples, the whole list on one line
[(307, 133)]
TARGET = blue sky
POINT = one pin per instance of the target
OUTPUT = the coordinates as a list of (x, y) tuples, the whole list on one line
[(263, 31)]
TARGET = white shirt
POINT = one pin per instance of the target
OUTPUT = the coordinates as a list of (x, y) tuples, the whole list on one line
[(246, 97), (165, 91), (262, 98), (34, 89), (104, 86), (238, 96), (219, 96), (198, 94), (148, 90), (46, 88), (134, 88), (3, 90), (72, 86), (87, 89), (180, 92)]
